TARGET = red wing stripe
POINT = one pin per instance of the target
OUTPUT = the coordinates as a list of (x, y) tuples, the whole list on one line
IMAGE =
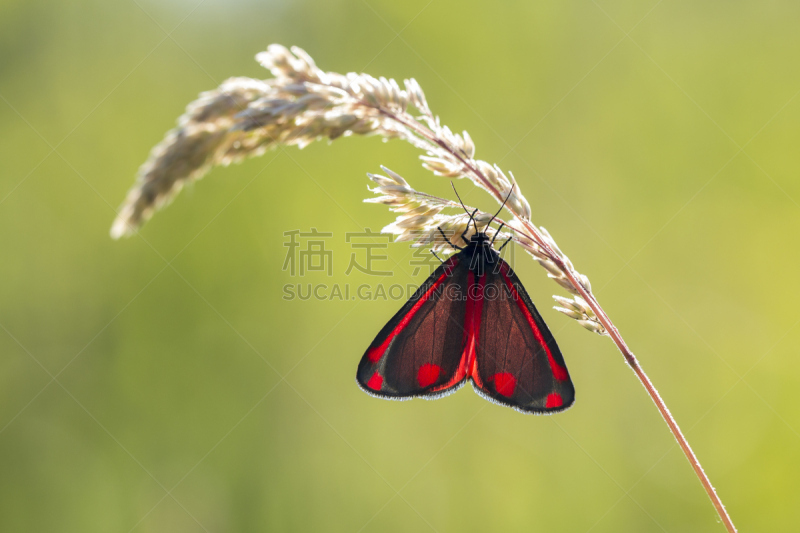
[(559, 372), (473, 329), (374, 354), (470, 339), (459, 375)]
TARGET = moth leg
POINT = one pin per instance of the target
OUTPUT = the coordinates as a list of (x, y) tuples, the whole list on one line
[(437, 257), (504, 244), (448, 240), (496, 233)]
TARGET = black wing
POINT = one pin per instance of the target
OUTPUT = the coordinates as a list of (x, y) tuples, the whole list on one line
[(419, 352), (517, 361)]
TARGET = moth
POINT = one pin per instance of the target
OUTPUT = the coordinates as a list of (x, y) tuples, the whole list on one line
[(471, 320)]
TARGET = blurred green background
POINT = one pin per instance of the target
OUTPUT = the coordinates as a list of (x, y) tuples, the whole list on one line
[(141, 381)]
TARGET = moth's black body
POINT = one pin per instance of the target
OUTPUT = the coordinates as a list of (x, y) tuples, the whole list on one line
[(471, 320)]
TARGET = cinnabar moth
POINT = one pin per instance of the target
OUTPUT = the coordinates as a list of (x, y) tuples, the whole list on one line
[(471, 320)]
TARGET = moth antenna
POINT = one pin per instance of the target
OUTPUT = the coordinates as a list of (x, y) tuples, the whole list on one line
[(458, 196), (472, 216), (501, 205)]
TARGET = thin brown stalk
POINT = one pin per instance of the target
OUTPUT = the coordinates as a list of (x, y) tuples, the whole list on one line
[(611, 330), (616, 337)]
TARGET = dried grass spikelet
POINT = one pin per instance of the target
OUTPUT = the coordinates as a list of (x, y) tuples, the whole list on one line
[(245, 117), (201, 139), (420, 220), (577, 308), (458, 162), (302, 104)]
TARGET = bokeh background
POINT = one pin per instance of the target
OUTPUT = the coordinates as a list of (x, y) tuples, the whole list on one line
[(161, 383)]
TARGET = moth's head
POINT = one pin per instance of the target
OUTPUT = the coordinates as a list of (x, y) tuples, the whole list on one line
[(479, 239)]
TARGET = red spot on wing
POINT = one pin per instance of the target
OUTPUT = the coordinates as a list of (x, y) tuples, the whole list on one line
[(428, 374), (559, 372), (375, 382), (504, 383), (374, 354), (554, 400)]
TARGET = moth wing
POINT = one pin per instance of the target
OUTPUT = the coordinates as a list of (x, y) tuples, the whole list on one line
[(419, 351), (517, 361)]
